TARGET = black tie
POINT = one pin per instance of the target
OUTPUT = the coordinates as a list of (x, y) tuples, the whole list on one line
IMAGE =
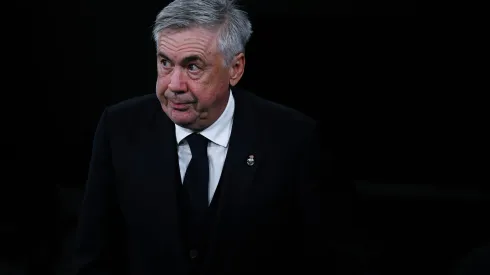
[(197, 175)]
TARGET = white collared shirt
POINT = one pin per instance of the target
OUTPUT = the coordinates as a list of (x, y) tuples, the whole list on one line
[(219, 135)]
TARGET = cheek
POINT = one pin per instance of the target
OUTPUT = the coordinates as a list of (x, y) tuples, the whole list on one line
[(207, 98), (213, 91), (223, 80), (162, 84), (161, 87)]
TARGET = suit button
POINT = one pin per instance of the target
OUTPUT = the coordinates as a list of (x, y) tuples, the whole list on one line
[(193, 253)]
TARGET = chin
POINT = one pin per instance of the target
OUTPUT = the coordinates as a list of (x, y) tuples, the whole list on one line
[(188, 119), (183, 121)]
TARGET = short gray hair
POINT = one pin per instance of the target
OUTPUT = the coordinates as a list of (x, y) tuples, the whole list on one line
[(233, 26)]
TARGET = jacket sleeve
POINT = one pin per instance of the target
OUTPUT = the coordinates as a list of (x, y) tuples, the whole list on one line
[(97, 232)]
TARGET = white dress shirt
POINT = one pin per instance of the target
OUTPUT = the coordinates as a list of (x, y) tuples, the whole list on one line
[(219, 136)]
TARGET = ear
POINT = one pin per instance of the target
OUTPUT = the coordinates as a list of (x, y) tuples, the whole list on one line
[(237, 68)]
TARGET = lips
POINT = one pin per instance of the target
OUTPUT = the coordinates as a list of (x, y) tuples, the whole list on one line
[(178, 106)]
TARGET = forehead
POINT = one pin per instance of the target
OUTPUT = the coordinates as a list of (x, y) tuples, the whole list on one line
[(187, 41)]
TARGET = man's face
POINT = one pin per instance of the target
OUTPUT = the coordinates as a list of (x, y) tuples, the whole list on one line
[(193, 83)]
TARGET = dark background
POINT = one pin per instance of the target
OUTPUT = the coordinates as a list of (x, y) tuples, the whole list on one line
[(356, 67)]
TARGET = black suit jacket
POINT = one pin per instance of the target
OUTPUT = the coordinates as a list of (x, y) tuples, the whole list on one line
[(271, 215)]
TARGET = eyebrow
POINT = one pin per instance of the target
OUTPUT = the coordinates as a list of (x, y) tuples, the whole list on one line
[(186, 60)]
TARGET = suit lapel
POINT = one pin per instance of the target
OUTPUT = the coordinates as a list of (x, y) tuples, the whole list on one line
[(161, 179), (238, 174), (164, 156)]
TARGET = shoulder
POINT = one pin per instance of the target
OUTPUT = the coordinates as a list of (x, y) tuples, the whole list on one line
[(133, 113), (134, 106), (276, 117), (285, 132)]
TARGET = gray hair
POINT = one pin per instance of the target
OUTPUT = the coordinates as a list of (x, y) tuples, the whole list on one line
[(233, 26)]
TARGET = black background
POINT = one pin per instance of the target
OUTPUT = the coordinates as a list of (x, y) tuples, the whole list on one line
[(356, 67)]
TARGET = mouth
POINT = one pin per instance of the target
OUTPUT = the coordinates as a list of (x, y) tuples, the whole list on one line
[(179, 106)]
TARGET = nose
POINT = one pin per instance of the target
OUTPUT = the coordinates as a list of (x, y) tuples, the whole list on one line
[(177, 81)]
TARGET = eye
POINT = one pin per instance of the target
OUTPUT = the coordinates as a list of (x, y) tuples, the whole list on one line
[(165, 63), (193, 68)]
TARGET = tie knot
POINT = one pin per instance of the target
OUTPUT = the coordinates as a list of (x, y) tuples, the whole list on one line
[(198, 144)]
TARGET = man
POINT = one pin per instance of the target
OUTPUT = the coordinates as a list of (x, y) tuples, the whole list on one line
[(203, 178)]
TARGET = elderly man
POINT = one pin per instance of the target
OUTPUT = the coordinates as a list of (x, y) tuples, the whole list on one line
[(202, 177)]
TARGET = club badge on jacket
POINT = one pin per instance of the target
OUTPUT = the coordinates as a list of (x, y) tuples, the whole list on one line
[(251, 160)]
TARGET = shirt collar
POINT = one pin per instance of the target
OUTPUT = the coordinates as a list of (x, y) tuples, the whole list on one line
[(219, 132)]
